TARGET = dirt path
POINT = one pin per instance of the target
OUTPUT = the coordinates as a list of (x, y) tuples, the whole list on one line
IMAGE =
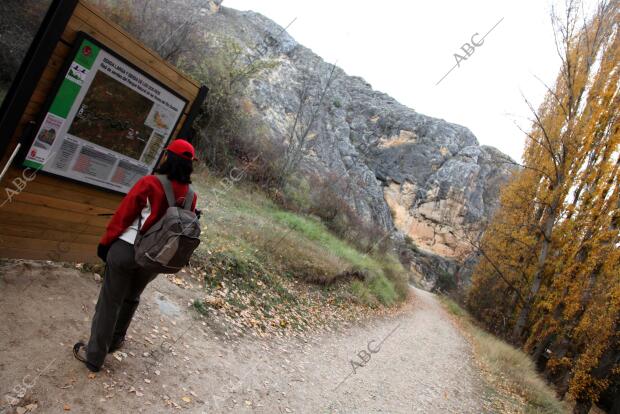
[(174, 361)]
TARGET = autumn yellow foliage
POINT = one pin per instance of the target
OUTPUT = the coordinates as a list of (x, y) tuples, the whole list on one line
[(549, 276)]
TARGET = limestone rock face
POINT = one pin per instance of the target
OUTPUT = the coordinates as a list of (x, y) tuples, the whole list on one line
[(461, 193), (410, 173)]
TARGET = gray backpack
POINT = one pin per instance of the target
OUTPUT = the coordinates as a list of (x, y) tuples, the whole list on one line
[(167, 246)]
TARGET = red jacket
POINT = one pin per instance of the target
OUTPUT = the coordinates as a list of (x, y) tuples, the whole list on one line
[(147, 188)]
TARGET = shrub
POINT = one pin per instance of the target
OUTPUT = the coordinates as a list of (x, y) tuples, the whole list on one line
[(383, 290), (445, 282), (296, 193), (410, 243), (328, 203), (200, 307), (396, 274), (169, 29), (229, 129)]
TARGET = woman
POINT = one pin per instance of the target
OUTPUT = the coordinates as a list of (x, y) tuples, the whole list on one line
[(124, 280)]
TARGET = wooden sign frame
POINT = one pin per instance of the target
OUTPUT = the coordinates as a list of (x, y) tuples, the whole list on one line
[(44, 216), (29, 140)]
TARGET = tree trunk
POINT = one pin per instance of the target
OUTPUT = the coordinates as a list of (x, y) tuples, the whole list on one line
[(615, 405), (519, 328), (582, 406), (540, 356), (547, 230)]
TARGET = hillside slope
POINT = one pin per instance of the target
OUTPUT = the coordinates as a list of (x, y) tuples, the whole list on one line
[(412, 174)]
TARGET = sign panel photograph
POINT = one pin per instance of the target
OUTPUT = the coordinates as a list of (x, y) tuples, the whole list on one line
[(107, 123)]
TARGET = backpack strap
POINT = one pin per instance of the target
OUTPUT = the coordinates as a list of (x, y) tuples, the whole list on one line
[(165, 182), (189, 198)]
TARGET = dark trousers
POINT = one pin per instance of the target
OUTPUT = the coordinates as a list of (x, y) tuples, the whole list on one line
[(123, 283)]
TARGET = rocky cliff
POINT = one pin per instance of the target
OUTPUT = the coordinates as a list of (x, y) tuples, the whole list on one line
[(413, 174)]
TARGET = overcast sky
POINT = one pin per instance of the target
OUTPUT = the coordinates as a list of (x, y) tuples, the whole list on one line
[(404, 48)]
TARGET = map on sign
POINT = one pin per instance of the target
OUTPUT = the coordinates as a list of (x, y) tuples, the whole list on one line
[(102, 121), (107, 123)]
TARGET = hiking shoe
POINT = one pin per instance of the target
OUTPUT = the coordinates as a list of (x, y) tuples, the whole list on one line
[(79, 352)]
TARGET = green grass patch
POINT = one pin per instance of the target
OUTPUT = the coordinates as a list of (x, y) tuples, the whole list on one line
[(242, 223), (383, 290), (200, 307), (315, 231), (362, 292), (454, 308)]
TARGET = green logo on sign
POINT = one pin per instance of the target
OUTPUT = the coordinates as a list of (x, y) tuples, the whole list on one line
[(88, 54)]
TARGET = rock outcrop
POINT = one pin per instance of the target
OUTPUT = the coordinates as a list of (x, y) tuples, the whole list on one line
[(412, 174)]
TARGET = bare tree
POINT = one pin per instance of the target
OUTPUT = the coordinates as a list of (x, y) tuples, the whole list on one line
[(311, 96), (164, 26)]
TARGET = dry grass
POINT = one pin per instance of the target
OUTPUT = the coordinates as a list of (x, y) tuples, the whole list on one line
[(243, 222), (514, 384)]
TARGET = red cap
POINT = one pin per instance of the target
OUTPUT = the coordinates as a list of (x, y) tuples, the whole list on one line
[(183, 149)]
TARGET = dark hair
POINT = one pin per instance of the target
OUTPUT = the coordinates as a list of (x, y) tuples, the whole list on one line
[(176, 168)]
